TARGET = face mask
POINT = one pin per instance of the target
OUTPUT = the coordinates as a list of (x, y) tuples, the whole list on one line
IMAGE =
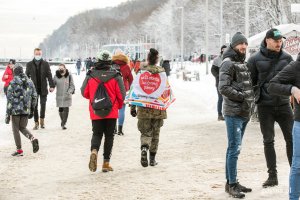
[(37, 58)]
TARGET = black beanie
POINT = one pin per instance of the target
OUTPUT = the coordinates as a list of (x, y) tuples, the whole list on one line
[(237, 39), (18, 69)]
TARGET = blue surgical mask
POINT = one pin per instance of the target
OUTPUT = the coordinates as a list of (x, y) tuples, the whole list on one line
[(37, 58)]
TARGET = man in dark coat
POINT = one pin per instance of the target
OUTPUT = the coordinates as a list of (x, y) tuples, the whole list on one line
[(264, 65), (38, 70)]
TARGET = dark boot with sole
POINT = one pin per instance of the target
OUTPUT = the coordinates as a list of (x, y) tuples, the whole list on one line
[(271, 181), (144, 159), (120, 130), (235, 192), (152, 159)]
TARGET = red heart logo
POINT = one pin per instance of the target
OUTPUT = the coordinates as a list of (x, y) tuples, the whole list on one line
[(149, 82)]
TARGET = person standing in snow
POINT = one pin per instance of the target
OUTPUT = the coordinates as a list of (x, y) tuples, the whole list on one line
[(236, 88), (65, 87), (149, 120), (103, 121), (166, 66), (21, 102), (78, 66), (8, 74), (121, 63), (215, 68)]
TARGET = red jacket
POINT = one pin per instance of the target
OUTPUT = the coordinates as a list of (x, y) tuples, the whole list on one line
[(123, 61), (114, 86), (9, 72)]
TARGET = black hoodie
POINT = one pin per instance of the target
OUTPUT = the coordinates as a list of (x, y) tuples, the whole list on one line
[(283, 82)]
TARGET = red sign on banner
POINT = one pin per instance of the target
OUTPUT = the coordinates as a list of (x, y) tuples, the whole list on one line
[(292, 45), (150, 82)]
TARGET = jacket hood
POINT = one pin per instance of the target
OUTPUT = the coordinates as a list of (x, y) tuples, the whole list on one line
[(153, 69), (58, 74), (231, 53), (120, 58), (104, 74)]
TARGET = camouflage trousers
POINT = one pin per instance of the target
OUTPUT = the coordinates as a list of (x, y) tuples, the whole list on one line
[(150, 129)]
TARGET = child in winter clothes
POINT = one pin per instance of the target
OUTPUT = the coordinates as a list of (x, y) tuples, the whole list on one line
[(21, 101), (8, 74)]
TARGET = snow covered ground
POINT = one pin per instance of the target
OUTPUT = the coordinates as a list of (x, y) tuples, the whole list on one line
[(191, 155)]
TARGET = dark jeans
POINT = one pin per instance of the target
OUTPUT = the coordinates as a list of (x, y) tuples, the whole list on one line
[(283, 115), (5, 90), (220, 102), (43, 100), (106, 127)]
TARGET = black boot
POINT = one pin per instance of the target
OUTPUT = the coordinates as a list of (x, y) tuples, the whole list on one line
[(152, 159), (235, 191), (144, 159), (61, 118), (120, 130), (271, 181), (65, 115)]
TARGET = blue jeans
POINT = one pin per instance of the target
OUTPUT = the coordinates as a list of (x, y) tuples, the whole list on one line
[(295, 169), (235, 131), (220, 102), (121, 117)]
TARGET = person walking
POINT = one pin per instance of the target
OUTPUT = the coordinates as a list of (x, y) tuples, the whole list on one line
[(21, 101), (121, 63), (104, 86), (78, 66), (8, 74), (236, 88), (38, 70), (264, 65), (215, 72), (65, 87), (150, 120)]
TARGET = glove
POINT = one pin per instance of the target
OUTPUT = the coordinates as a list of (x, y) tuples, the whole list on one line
[(133, 111), (7, 119), (30, 115)]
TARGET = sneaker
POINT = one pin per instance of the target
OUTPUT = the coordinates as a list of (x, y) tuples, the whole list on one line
[(17, 153), (271, 181), (144, 159), (35, 145), (93, 161), (106, 167), (235, 192)]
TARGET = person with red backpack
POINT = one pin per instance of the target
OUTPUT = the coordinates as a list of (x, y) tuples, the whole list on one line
[(121, 63), (8, 74), (104, 88)]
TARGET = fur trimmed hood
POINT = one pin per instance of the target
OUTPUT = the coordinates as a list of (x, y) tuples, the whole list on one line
[(58, 74), (121, 57)]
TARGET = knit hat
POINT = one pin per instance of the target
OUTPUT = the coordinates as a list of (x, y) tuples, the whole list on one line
[(18, 69), (104, 56), (274, 33), (237, 39)]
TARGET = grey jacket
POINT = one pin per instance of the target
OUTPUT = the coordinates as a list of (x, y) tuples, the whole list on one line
[(64, 89)]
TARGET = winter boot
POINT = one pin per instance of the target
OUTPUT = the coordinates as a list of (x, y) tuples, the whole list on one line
[(235, 192), (120, 130), (35, 145), (106, 167), (65, 115), (42, 123), (61, 119), (17, 153), (152, 159), (243, 188), (221, 118), (36, 126), (93, 160), (144, 159), (271, 181)]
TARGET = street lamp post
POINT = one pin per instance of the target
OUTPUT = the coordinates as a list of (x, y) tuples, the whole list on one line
[(206, 35), (182, 26)]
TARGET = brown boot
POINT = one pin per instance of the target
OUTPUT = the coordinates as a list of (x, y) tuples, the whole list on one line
[(36, 126), (106, 167), (42, 123), (93, 160)]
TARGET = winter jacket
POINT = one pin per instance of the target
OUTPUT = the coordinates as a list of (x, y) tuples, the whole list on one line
[(21, 96), (283, 82), (9, 72), (235, 85), (113, 84), (150, 113), (123, 62), (78, 64), (64, 89), (264, 65), (215, 68), (166, 66), (39, 74), (137, 66)]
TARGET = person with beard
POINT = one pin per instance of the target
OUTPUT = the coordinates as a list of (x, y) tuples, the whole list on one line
[(215, 72), (264, 65), (236, 88), (65, 87), (103, 73)]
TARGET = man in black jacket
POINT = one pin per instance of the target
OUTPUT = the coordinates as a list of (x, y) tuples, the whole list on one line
[(215, 72), (236, 88), (287, 83), (264, 65), (38, 70)]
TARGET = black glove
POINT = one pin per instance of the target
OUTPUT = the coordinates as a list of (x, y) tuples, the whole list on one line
[(30, 115), (7, 119), (133, 111)]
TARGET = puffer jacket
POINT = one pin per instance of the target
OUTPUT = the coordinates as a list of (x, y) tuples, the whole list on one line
[(21, 96), (235, 85), (123, 62), (150, 113), (9, 73), (264, 65)]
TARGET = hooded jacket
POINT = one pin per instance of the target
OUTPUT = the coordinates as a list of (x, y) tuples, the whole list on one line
[(9, 73), (235, 85), (113, 84), (21, 96), (264, 65), (283, 82), (123, 62)]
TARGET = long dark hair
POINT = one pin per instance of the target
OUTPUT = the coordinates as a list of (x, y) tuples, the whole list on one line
[(153, 56)]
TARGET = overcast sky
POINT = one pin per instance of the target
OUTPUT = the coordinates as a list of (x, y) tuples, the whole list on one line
[(25, 23)]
